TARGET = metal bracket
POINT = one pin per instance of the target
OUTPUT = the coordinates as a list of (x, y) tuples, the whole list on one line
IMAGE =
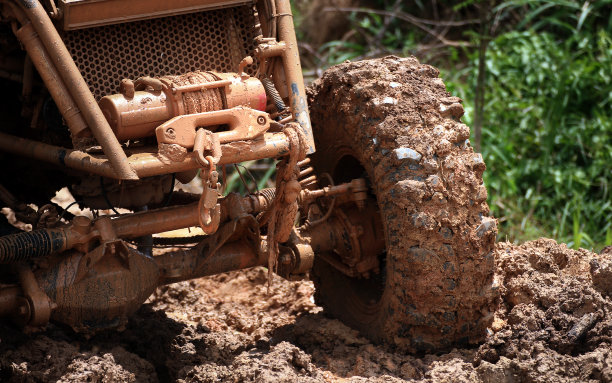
[(243, 123), (114, 247)]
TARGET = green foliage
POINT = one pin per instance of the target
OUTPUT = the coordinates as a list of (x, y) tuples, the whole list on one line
[(546, 137), (373, 35), (546, 134), (257, 175)]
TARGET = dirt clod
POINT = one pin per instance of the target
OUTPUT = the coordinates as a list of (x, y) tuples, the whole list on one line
[(393, 121), (553, 324)]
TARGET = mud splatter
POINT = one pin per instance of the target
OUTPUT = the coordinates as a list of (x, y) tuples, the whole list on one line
[(553, 324), (437, 288)]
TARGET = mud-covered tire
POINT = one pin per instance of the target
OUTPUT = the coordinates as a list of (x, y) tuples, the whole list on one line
[(392, 120)]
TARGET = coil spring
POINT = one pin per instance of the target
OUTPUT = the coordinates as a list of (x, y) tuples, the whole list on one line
[(305, 178), (269, 194)]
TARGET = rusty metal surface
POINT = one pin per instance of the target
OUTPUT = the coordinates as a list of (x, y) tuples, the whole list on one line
[(136, 113), (56, 87), (99, 193), (113, 288), (98, 279), (145, 164), (101, 288), (77, 14), (350, 240), (90, 49), (75, 83), (244, 91), (101, 283), (293, 71), (156, 221), (243, 124), (9, 300), (37, 311), (82, 232), (214, 40), (114, 285), (185, 265)]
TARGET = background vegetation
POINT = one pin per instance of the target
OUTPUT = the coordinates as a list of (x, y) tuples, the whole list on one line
[(535, 76)]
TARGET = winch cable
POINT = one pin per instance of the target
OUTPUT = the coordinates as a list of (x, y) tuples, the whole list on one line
[(272, 92)]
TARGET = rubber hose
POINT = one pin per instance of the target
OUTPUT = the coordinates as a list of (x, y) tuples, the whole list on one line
[(29, 245), (273, 94)]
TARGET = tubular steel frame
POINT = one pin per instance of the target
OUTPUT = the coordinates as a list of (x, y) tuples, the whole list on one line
[(83, 115), (92, 254)]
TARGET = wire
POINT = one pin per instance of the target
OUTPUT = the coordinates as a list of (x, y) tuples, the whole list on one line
[(66, 209), (250, 176), (106, 197), (246, 185), (169, 196)]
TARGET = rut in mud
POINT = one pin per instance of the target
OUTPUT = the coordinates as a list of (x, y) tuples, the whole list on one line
[(554, 323)]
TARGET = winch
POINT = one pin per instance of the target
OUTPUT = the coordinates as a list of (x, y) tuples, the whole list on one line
[(145, 103)]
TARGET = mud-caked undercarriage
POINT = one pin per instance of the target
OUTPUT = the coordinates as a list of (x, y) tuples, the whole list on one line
[(380, 201)]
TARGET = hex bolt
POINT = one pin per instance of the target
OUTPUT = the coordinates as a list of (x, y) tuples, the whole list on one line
[(170, 133), (261, 120)]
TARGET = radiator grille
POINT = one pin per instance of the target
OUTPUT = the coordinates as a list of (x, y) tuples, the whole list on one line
[(212, 40)]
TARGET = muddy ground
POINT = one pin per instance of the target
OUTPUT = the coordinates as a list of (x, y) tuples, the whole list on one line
[(553, 324)]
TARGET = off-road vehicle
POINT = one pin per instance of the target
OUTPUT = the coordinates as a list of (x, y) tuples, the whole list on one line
[(379, 200)]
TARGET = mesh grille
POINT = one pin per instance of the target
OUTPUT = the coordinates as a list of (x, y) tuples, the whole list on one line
[(213, 40)]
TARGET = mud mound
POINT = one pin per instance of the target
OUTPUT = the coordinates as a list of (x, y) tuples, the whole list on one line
[(553, 324), (555, 315)]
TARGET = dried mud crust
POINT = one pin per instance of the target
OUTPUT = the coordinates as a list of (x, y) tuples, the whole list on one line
[(554, 324), (396, 118)]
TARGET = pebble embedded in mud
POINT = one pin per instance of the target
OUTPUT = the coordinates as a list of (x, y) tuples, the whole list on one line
[(227, 328), (553, 322)]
